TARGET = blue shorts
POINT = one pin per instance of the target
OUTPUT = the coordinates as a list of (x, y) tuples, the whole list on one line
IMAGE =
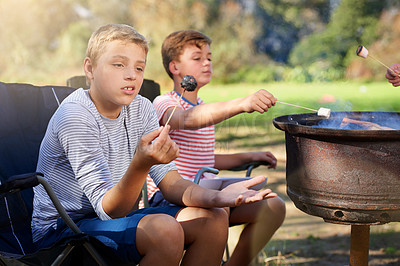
[(117, 234), (157, 200)]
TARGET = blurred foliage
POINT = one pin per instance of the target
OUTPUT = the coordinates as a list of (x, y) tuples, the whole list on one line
[(253, 40), (226, 22), (287, 21), (29, 38), (353, 23)]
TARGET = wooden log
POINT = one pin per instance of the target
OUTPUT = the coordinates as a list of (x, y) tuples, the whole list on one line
[(363, 124)]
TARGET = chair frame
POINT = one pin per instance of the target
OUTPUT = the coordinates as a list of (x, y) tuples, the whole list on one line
[(25, 181)]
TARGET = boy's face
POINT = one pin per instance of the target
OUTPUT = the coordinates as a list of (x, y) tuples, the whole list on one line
[(116, 78), (196, 61)]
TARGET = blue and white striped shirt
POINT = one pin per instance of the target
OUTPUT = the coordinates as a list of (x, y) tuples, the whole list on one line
[(84, 154)]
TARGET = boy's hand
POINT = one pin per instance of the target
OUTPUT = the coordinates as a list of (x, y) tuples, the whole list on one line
[(239, 193), (394, 79), (265, 156), (157, 147), (260, 101)]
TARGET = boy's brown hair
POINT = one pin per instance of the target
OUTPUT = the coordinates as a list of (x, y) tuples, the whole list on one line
[(175, 43), (112, 32)]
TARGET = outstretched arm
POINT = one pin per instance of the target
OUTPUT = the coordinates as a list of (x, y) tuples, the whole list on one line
[(212, 113), (180, 191), (228, 161), (392, 78)]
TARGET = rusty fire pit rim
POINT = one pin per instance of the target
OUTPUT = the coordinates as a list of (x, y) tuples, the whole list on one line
[(289, 124)]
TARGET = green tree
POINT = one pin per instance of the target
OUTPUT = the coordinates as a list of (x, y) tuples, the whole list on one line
[(352, 23)]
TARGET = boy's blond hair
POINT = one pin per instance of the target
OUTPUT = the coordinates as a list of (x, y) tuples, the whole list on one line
[(175, 43), (112, 32)]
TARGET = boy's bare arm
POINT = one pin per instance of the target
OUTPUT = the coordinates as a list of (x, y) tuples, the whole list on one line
[(119, 201), (212, 113), (228, 161), (177, 190)]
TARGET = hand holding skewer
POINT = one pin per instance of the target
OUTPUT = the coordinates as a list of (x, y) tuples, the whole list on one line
[(394, 79), (188, 83)]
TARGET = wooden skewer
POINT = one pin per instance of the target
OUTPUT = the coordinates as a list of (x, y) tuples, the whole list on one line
[(391, 70), (169, 118), (325, 112), (298, 106)]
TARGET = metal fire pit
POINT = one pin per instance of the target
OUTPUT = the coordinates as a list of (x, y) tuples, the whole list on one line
[(346, 176)]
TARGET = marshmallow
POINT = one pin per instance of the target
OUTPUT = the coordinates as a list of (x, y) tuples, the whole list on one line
[(324, 112), (362, 51), (189, 83)]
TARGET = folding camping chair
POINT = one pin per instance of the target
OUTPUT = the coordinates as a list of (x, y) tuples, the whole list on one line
[(24, 114)]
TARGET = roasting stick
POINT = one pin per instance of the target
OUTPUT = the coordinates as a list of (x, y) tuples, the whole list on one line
[(363, 52), (188, 83), (320, 112), (169, 118), (298, 106)]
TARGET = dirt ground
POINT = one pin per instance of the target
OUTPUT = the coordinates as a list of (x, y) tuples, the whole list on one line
[(308, 240)]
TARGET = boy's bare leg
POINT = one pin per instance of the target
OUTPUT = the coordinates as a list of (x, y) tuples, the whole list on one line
[(263, 218), (160, 240), (206, 233)]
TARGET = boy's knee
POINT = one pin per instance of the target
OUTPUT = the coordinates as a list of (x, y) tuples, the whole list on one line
[(161, 230), (221, 215), (220, 222), (217, 225), (278, 207), (160, 238), (214, 220), (168, 227)]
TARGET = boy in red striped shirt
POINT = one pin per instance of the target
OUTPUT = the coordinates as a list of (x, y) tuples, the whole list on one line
[(192, 128)]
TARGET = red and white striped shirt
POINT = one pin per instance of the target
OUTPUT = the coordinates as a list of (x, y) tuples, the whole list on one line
[(196, 147)]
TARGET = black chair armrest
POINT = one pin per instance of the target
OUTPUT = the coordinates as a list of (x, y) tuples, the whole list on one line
[(249, 166), (203, 170), (20, 182), (29, 180)]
